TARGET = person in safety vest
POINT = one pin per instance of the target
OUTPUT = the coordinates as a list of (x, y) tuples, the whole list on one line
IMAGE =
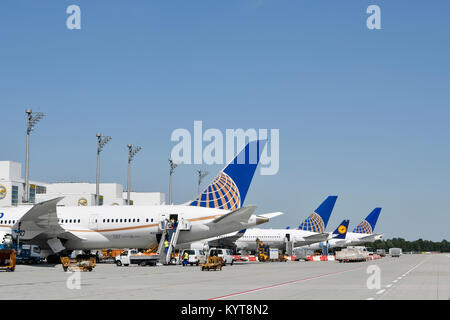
[(185, 258), (166, 245)]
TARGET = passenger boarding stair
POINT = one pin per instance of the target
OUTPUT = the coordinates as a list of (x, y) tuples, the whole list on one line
[(171, 235)]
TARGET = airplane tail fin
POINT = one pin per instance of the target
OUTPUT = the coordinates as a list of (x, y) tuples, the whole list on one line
[(229, 189), (368, 224), (318, 220), (341, 230)]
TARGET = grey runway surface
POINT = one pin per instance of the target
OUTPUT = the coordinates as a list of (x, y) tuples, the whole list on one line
[(407, 277)]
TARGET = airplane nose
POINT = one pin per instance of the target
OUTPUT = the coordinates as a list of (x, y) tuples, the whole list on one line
[(261, 220)]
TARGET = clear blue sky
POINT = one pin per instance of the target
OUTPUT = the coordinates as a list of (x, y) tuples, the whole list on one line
[(362, 114)]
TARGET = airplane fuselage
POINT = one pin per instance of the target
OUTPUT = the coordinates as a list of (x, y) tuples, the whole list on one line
[(123, 226), (275, 238), (351, 239)]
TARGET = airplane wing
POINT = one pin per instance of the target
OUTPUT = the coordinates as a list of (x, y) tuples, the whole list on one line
[(319, 237), (240, 215), (39, 220)]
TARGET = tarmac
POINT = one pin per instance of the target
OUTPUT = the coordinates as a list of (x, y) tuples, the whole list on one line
[(422, 276)]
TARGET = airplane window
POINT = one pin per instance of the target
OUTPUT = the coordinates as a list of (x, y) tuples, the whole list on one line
[(137, 220), (107, 220), (120, 220), (103, 220), (117, 220), (146, 220), (80, 220), (134, 220), (152, 219)]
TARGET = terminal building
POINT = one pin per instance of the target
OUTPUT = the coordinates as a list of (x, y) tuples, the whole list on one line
[(12, 188)]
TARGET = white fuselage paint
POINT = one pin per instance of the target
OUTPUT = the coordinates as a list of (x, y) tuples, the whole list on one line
[(275, 238), (127, 226), (351, 239)]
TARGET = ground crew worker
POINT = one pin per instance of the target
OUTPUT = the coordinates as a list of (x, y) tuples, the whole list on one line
[(185, 258), (166, 245)]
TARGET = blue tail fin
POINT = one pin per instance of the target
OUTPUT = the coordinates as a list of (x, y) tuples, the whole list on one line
[(341, 230), (318, 220), (368, 224), (230, 187)]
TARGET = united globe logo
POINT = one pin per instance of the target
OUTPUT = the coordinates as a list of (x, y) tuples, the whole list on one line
[(223, 193), (363, 227), (314, 223), (2, 192)]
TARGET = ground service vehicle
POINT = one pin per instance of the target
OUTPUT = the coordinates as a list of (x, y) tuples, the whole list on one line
[(381, 252), (128, 257), (225, 254), (8, 259), (352, 254), (28, 254), (395, 252), (196, 256), (82, 263), (213, 263)]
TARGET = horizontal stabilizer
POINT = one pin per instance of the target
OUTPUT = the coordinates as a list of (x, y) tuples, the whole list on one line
[(270, 215), (371, 237), (320, 237)]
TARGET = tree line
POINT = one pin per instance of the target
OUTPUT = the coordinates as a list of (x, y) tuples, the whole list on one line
[(407, 246)]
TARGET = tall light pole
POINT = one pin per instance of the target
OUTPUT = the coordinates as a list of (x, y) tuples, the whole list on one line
[(201, 175), (101, 141), (172, 168), (32, 119), (131, 153)]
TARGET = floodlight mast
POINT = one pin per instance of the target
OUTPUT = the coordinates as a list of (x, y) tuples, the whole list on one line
[(172, 168), (201, 175), (131, 153), (32, 120), (101, 142)]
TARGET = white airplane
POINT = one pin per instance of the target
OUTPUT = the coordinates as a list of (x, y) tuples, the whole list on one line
[(361, 234), (217, 210), (312, 230)]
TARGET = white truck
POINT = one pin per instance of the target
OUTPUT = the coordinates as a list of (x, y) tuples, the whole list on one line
[(225, 254), (133, 256), (196, 256), (352, 254), (395, 252)]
